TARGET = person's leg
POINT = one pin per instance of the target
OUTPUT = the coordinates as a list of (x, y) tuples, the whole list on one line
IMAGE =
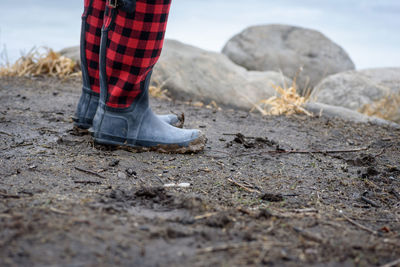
[(130, 47), (92, 23)]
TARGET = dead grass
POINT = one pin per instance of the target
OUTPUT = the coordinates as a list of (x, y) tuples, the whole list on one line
[(39, 62), (386, 108), (288, 102), (157, 92)]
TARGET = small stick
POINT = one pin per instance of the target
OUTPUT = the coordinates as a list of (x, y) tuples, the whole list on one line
[(21, 145), (9, 196), (294, 152), (376, 220), (90, 172), (226, 247), (360, 225), (395, 193), (392, 264), (305, 151), (309, 235), (58, 211), (248, 137), (1, 132), (243, 187), (87, 182), (371, 202), (204, 216), (310, 210), (291, 195)]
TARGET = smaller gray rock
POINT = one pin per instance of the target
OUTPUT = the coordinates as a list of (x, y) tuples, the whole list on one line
[(373, 91), (72, 53), (121, 175), (345, 114)]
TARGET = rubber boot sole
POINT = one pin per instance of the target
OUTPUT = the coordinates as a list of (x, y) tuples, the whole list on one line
[(195, 146)]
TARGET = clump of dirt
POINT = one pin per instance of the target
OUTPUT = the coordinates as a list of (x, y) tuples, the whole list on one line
[(252, 142), (362, 160), (272, 197)]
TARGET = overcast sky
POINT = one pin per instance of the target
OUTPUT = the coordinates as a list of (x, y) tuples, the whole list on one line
[(369, 30)]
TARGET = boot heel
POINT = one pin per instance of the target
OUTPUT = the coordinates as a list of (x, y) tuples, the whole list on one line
[(109, 129), (86, 109)]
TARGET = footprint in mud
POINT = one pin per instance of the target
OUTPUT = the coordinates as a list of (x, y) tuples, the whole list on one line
[(252, 142), (362, 160), (154, 203)]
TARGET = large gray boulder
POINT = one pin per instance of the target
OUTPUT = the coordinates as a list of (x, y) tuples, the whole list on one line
[(190, 73), (288, 48), (372, 91)]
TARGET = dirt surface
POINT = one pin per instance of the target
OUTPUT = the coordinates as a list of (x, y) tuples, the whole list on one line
[(285, 192)]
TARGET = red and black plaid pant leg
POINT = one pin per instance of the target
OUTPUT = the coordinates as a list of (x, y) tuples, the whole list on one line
[(93, 18), (134, 43)]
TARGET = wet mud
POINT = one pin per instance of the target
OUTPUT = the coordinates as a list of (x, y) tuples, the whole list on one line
[(272, 191)]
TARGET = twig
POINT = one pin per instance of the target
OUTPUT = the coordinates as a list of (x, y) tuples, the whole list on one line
[(90, 172), (305, 151), (21, 145), (243, 186), (308, 235), (1, 132), (204, 216), (371, 202), (4, 195), (227, 247), (392, 264), (360, 225), (293, 152), (58, 211), (291, 195), (375, 220), (379, 154), (87, 182), (395, 193), (248, 137), (310, 210)]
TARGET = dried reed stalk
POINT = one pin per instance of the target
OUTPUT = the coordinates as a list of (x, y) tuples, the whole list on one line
[(157, 92), (386, 108), (37, 63), (288, 102)]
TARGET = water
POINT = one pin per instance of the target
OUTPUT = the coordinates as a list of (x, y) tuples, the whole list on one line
[(369, 30)]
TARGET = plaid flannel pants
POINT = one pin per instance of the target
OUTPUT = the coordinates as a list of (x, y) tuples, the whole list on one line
[(133, 45)]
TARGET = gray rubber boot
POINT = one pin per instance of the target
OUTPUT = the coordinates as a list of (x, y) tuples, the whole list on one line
[(87, 107), (89, 99), (137, 126)]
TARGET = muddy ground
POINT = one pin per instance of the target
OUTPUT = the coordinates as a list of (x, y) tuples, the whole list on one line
[(287, 192)]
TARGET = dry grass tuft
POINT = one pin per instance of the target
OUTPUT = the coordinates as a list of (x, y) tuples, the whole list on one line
[(38, 63), (288, 102), (156, 91), (386, 108)]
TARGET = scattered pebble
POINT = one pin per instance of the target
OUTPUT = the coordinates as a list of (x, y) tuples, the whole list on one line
[(121, 175), (131, 172), (31, 167), (114, 163), (181, 185)]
